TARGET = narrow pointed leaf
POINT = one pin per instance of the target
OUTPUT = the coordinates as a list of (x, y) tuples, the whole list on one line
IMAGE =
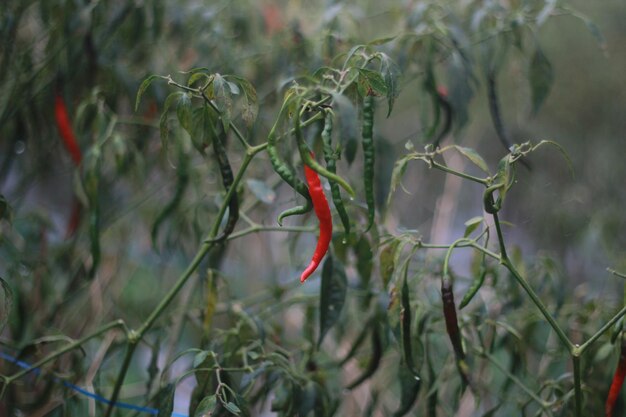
[(541, 77), (473, 156), (332, 294), (143, 87)]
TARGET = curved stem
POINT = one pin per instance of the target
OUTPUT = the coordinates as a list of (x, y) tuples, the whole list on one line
[(444, 168), (67, 348)]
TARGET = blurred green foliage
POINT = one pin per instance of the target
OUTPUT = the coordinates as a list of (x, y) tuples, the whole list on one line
[(251, 330)]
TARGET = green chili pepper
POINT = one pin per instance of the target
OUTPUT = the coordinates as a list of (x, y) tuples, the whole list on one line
[(308, 160), (227, 180), (473, 289), (286, 173), (405, 328), (369, 158), (331, 158), (181, 185), (496, 116), (92, 185), (444, 104)]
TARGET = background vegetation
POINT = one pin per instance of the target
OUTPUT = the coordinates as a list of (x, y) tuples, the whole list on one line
[(242, 333)]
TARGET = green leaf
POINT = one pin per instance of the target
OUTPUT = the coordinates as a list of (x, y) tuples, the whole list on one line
[(165, 403), (223, 101), (197, 76), (251, 106), (570, 165), (183, 112), (332, 295), (250, 378), (202, 131), (371, 80), (232, 408), (352, 52), (595, 32), (206, 407), (234, 90), (211, 301), (545, 13), (391, 75), (382, 41), (473, 156), (204, 359), (541, 77), (163, 122), (6, 305), (396, 175), (472, 224), (6, 211), (143, 87), (365, 257), (409, 388), (387, 262), (261, 190)]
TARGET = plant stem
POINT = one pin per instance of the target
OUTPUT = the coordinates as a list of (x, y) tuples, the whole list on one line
[(446, 260), (513, 378), (259, 228), (457, 173), (130, 349), (531, 293), (65, 349), (496, 221), (468, 244), (582, 348), (135, 336), (578, 391)]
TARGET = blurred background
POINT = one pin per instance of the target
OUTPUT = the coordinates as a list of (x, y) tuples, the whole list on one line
[(96, 54)]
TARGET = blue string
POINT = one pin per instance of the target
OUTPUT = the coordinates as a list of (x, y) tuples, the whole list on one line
[(99, 398)]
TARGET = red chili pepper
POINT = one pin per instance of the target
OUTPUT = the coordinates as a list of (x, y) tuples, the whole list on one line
[(322, 211), (65, 129), (618, 380)]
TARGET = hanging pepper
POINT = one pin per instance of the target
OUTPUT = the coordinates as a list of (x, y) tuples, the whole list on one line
[(65, 129), (227, 180), (322, 211), (369, 158), (618, 380), (452, 326), (71, 145)]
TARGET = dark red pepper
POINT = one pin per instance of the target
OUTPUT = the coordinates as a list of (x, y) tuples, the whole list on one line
[(322, 211), (71, 145), (618, 380), (65, 129)]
